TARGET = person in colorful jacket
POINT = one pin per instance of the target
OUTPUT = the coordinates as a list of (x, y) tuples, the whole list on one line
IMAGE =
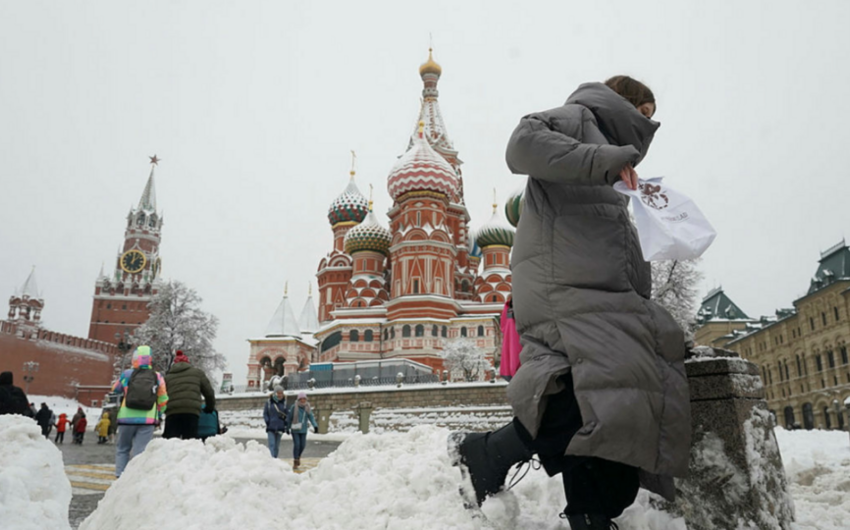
[(137, 426), (297, 425)]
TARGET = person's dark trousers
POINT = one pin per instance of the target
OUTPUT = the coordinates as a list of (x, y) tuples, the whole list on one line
[(101, 440), (60, 437), (45, 431), (299, 441), (592, 485), (183, 426)]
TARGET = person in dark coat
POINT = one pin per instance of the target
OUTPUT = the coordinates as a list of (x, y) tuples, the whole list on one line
[(44, 418), (186, 384), (13, 400), (274, 414), (601, 396)]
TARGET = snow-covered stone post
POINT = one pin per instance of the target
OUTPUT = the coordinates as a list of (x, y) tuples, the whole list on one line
[(364, 411), (399, 379), (445, 377), (357, 381), (324, 414), (736, 478)]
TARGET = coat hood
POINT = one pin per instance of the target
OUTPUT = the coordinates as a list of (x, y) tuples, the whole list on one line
[(618, 119), (6, 378), (142, 357)]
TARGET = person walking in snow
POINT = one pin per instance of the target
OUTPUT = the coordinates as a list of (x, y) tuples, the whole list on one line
[(44, 418), (80, 428), (13, 400), (61, 425), (143, 403), (186, 384), (601, 396), (300, 419), (102, 428), (274, 414)]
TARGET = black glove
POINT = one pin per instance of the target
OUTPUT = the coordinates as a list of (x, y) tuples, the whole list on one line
[(286, 432), (209, 410), (315, 430)]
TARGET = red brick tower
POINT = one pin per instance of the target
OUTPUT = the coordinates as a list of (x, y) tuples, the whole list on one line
[(121, 300)]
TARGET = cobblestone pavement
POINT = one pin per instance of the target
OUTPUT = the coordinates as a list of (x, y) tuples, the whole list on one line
[(91, 469)]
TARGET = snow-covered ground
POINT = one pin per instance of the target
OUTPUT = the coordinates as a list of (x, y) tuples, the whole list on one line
[(34, 491), (60, 404), (402, 481)]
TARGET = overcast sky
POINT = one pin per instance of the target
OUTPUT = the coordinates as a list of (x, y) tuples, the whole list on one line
[(254, 106)]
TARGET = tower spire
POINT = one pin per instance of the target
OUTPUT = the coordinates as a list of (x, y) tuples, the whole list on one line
[(353, 162), (148, 199)]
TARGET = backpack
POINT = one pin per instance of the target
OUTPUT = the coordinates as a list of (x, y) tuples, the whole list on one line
[(141, 390)]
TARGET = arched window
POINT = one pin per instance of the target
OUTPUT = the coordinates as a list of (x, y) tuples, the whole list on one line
[(480, 331), (392, 333), (445, 332), (152, 221), (808, 417), (405, 331), (354, 336), (789, 417), (420, 330), (386, 334), (368, 336), (434, 331), (827, 418), (463, 332), (140, 221), (819, 363)]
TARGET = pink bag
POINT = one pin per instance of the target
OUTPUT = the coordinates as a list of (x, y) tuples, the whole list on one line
[(510, 342)]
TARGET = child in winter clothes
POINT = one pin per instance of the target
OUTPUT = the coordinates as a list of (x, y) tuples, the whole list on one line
[(80, 429), (61, 425), (102, 428)]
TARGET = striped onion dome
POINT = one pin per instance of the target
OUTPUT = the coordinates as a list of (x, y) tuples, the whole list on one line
[(368, 235), (474, 249), (496, 231), (513, 206), (350, 207), (422, 169)]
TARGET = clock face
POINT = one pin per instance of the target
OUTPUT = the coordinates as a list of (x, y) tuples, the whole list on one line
[(133, 261)]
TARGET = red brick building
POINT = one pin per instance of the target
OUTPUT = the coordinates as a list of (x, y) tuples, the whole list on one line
[(121, 297), (68, 366), (402, 291)]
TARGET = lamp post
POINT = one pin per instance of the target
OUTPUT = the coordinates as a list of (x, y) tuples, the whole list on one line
[(30, 368), (123, 346)]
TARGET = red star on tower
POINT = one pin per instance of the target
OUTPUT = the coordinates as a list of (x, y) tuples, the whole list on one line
[(154, 160)]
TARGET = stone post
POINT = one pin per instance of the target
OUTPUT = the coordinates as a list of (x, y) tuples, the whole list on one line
[(324, 415), (364, 411), (736, 478)]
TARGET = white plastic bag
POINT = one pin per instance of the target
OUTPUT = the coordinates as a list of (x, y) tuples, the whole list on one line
[(669, 224)]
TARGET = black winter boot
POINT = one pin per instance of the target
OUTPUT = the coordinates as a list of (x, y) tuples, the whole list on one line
[(488, 457), (589, 521)]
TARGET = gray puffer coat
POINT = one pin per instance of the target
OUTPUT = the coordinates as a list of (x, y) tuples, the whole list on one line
[(581, 290)]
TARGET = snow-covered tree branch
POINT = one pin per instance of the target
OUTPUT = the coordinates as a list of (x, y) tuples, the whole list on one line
[(461, 355), (674, 286), (177, 323)]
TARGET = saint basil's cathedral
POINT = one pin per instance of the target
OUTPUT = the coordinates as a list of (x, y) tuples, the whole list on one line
[(400, 291)]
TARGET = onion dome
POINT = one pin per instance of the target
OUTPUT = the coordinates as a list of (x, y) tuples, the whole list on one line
[(513, 206), (350, 207), (474, 249), (422, 169), (368, 235), (496, 231), (430, 66)]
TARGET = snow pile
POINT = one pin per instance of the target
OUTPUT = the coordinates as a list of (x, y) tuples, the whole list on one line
[(817, 466), (394, 481), (34, 491)]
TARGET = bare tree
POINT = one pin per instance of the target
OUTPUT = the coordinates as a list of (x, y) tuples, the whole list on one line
[(674, 286), (177, 323), (462, 355)]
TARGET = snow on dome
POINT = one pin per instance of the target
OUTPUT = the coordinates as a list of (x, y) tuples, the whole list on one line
[(368, 235), (34, 491), (422, 169), (350, 207), (474, 249), (496, 231)]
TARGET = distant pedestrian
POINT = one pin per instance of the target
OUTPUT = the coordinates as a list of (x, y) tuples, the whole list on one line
[(13, 400), (300, 419), (143, 403), (61, 425), (79, 414), (510, 343), (274, 414), (186, 384), (102, 428), (44, 418), (80, 428)]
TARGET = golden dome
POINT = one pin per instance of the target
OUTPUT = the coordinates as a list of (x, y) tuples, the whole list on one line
[(431, 66)]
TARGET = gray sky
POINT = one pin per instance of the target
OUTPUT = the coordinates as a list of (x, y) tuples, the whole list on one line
[(254, 106)]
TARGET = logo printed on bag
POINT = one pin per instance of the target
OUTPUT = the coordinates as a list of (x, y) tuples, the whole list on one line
[(652, 196)]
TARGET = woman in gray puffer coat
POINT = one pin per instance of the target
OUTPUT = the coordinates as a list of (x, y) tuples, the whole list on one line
[(601, 395)]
